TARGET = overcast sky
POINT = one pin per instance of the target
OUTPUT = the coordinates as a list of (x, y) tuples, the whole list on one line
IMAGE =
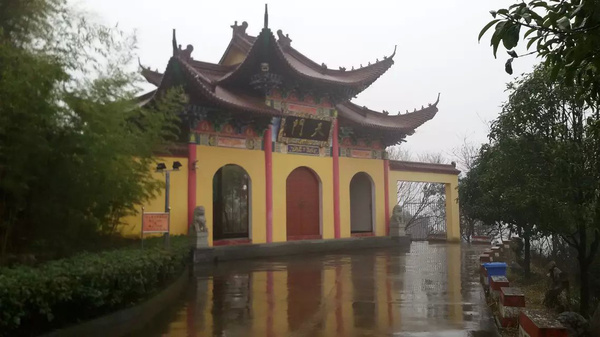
[(437, 52)]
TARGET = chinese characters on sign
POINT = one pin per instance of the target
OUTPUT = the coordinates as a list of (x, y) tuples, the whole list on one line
[(304, 149), (155, 222), (303, 130)]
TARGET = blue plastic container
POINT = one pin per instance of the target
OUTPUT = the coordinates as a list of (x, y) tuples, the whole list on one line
[(495, 269)]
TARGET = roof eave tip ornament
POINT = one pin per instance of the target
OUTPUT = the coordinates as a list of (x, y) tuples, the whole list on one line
[(394, 53), (437, 100), (266, 17)]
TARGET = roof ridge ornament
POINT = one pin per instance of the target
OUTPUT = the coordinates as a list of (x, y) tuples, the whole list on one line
[(323, 67), (394, 53), (241, 29), (177, 51), (284, 40), (174, 42), (266, 17), (140, 64)]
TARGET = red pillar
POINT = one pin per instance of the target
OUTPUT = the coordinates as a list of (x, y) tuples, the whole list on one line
[(191, 181), (386, 198), (336, 180), (268, 141)]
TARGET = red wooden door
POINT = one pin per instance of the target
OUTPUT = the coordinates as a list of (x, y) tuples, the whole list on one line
[(302, 204)]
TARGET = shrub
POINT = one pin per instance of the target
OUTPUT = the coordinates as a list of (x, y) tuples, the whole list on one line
[(63, 292)]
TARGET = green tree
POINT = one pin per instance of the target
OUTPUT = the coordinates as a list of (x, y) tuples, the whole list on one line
[(544, 166), (565, 34), (70, 128), (498, 191)]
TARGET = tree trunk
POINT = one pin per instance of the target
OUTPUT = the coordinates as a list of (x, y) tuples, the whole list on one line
[(595, 322), (584, 290), (527, 253), (7, 234)]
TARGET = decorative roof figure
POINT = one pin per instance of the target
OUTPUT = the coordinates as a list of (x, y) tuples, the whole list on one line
[(284, 40), (187, 52), (239, 29), (177, 51)]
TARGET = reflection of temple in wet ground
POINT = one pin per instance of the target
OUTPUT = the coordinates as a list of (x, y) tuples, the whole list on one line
[(377, 292)]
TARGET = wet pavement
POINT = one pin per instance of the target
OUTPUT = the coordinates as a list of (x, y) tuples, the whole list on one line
[(431, 290)]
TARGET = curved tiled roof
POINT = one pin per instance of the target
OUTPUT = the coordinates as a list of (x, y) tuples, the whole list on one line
[(153, 77), (222, 96), (205, 87), (210, 70), (311, 68), (407, 123), (301, 65), (226, 85)]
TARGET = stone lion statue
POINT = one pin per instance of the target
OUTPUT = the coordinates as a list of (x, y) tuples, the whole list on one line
[(396, 219), (199, 220), (397, 227)]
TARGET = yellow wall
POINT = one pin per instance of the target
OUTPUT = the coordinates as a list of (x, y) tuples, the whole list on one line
[(283, 165), (451, 187), (374, 168), (234, 56), (177, 196), (210, 160)]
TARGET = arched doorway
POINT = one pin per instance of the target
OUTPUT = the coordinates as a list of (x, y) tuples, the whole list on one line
[(231, 203), (303, 205), (361, 203)]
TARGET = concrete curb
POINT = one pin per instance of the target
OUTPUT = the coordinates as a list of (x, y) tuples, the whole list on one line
[(252, 251)]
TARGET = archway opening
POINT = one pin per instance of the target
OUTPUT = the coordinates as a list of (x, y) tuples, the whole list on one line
[(231, 203), (423, 206), (303, 203), (361, 203)]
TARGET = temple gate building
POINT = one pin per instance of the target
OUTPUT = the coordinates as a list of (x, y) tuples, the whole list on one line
[(275, 150)]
